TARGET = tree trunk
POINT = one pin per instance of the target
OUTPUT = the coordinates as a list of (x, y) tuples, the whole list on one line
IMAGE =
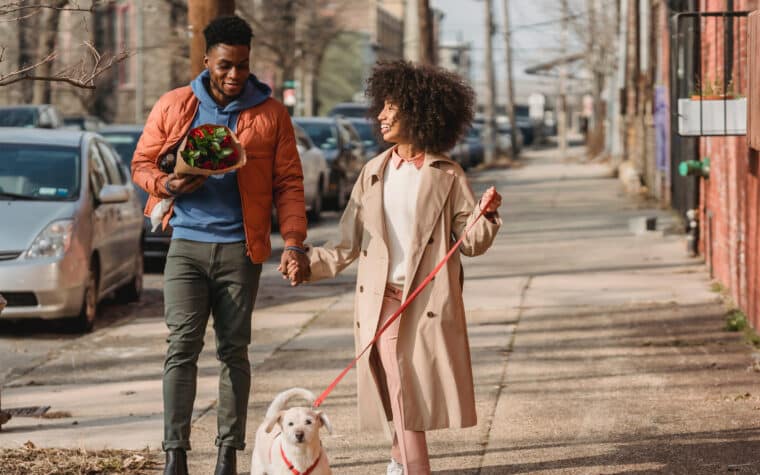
[(427, 51), (48, 36), (199, 15)]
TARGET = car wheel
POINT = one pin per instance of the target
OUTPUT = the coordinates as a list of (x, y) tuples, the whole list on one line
[(86, 318), (315, 213), (131, 292)]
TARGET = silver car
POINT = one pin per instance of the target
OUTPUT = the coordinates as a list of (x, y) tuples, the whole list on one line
[(316, 173), (73, 225), (124, 140)]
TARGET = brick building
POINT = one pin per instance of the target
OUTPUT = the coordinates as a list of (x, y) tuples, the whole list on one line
[(704, 53), (158, 63)]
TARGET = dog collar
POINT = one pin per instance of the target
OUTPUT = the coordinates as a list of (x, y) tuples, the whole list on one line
[(293, 469)]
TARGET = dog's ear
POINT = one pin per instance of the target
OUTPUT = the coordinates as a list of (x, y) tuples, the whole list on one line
[(325, 421), (270, 423)]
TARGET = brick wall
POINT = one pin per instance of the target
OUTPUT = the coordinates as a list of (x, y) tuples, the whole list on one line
[(729, 199)]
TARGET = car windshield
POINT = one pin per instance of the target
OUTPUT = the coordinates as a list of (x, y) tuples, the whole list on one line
[(322, 134), (20, 117), (364, 128), (37, 172), (125, 144), (349, 111)]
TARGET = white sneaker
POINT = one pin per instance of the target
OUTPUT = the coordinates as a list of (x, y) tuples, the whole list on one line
[(395, 468)]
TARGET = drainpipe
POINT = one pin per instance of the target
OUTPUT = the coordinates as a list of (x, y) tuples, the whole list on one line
[(699, 170)]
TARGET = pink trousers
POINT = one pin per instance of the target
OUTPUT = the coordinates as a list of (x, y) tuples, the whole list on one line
[(409, 447)]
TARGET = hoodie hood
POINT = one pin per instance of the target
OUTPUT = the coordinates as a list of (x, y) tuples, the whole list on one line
[(254, 93)]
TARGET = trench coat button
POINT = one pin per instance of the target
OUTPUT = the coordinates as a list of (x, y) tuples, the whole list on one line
[(365, 253), (361, 288), (357, 325), (430, 314)]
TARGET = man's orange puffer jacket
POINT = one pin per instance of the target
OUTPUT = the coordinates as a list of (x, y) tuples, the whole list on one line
[(273, 169)]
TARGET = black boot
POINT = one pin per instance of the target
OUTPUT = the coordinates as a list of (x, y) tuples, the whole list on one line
[(176, 462), (226, 461)]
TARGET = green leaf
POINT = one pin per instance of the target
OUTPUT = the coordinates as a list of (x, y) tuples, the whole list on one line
[(216, 147), (225, 152), (220, 133), (190, 161)]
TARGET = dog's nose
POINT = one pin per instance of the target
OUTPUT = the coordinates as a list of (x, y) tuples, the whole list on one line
[(299, 436)]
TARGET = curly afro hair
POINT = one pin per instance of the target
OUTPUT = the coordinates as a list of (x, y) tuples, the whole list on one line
[(436, 106), (228, 30)]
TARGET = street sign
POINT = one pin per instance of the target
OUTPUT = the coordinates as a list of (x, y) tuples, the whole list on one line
[(289, 97)]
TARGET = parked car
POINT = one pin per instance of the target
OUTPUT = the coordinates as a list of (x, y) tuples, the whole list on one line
[(124, 139), (350, 109), (474, 139), (76, 225), (373, 144), (84, 122), (316, 172), (340, 143), (41, 116)]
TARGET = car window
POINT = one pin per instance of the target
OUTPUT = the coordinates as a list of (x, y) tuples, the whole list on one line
[(19, 117), (98, 174), (39, 172), (324, 135), (124, 143), (114, 170), (302, 139)]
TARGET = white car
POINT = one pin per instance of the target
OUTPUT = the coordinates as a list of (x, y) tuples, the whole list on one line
[(74, 225), (316, 172)]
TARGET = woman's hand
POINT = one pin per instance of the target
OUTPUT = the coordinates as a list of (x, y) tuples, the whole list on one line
[(495, 201)]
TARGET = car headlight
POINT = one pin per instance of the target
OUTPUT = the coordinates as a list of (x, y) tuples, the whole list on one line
[(53, 241)]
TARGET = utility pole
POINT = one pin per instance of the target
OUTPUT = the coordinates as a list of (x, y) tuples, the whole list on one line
[(139, 70), (425, 20), (199, 14), (510, 82), (562, 100), (489, 99)]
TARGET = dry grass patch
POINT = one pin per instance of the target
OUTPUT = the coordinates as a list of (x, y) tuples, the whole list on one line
[(30, 460)]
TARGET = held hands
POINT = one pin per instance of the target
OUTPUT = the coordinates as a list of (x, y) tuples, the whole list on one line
[(295, 267), (493, 206)]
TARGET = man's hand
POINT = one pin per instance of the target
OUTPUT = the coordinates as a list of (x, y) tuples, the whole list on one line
[(180, 184), (294, 266)]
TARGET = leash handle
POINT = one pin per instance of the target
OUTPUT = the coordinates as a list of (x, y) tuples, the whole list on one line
[(409, 299)]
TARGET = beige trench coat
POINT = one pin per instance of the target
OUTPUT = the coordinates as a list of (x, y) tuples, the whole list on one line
[(433, 350)]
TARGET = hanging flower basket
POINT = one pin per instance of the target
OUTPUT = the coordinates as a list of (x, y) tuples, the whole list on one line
[(712, 115)]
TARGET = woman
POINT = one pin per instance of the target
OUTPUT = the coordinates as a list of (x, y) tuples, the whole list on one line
[(405, 209)]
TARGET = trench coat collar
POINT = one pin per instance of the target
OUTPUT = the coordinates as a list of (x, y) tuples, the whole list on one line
[(435, 184)]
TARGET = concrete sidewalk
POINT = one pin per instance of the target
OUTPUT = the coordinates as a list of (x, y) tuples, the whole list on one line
[(595, 351)]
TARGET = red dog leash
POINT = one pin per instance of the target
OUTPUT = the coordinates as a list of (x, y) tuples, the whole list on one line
[(318, 402)]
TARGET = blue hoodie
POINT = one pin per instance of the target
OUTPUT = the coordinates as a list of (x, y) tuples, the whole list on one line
[(213, 212)]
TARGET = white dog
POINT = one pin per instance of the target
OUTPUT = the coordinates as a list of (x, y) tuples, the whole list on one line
[(295, 448)]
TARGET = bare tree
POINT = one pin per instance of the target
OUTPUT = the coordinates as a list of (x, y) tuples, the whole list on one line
[(597, 30), (296, 33), (40, 65)]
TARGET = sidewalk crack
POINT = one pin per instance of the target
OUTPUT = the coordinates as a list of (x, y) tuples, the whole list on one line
[(503, 379)]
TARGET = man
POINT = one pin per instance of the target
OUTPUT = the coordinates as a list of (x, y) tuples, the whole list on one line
[(221, 232)]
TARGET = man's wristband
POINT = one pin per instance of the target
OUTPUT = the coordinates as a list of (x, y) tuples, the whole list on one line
[(168, 190), (297, 249)]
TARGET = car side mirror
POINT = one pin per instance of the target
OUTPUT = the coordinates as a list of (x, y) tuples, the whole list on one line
[(113, 194)]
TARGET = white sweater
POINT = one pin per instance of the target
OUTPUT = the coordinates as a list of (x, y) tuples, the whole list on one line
[(400, 188)]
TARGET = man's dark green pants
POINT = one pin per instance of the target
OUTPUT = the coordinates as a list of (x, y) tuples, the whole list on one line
[(202, 279)]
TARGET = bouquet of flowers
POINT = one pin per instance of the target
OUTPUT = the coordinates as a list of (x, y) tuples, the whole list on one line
[(209, 150)]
